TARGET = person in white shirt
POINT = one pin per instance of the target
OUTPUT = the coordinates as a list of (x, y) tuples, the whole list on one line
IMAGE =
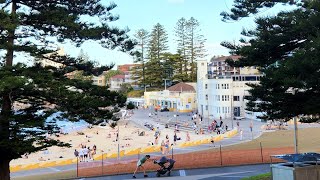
[(85, 154), (81, 154)]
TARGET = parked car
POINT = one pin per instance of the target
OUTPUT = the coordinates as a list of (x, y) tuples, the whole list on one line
[(238, 118), (164, 109)]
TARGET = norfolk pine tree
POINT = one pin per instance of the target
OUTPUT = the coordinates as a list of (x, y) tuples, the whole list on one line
[(28, 27), (158, 45), (142, 36), (181, 39), (286, 47), (195, 46)]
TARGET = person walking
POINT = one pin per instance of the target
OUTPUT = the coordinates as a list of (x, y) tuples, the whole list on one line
[(140, 165)]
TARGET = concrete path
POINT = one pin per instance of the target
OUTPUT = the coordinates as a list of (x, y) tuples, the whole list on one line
[(222, 173)]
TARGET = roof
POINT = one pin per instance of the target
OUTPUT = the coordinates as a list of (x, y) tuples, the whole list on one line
[(182, 87), (223, 58), (119, 76)]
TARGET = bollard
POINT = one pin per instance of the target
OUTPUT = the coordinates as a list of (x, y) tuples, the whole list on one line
[(220, 156), (77, 166)]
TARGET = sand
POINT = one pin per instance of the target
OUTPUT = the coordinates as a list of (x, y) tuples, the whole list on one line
[(98, 135)]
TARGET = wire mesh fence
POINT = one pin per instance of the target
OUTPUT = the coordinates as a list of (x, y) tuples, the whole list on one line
[(112, 164)]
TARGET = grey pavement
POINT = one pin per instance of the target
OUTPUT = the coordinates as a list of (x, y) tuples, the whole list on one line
[(222, 173)]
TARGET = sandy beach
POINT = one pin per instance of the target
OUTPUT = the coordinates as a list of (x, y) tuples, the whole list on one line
[(100, 136)]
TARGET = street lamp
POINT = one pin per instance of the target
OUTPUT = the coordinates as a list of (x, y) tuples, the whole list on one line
[(208, 109)]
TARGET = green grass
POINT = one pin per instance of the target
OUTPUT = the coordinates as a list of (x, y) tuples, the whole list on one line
[(266, 176)]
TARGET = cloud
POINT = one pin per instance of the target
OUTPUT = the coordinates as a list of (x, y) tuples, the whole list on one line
[(176, 1)]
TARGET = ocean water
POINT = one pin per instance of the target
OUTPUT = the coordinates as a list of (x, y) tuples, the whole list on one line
[(65, 125)]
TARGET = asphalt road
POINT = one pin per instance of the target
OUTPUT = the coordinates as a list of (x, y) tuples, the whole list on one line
[(221, 173)]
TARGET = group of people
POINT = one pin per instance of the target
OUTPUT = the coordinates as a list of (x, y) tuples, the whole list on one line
[(165, 163), (85, 153)]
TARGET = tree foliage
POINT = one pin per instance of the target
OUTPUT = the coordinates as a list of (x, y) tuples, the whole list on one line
[(190, 47), (139, 72), (286, 48), (158, 45), (30, 94)]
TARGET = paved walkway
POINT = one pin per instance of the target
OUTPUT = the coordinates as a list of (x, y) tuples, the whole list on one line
[(221, 173), (141, 117)]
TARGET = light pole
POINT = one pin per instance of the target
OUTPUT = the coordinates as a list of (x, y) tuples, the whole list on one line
[(165, 84), (296, 151), (208, 109), (118, 138), (295, 135), (231, 108)]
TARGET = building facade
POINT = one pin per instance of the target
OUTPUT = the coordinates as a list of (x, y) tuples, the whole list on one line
[(223, 94), (180, 97), (116, 82)]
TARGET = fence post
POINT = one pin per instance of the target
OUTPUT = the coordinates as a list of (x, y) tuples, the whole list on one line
[(172, 152), (102, 164), (77, 166), (261, 152), (220, 156)]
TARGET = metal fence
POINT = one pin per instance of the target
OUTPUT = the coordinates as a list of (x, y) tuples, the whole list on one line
[(110, 164)]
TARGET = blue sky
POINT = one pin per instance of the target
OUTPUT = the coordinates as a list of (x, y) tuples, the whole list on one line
[(136, 14)]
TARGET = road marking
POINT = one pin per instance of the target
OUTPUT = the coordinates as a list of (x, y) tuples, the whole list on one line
[(54, 169), (182, 172)]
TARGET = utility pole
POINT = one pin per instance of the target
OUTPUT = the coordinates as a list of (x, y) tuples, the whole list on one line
[(296, 151), (231, 110), (208, 109), (165, 83)]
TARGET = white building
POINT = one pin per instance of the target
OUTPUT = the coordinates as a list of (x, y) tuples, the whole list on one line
[(223, 96)]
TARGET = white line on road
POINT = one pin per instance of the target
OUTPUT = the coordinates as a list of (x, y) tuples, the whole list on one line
[(182, 172), (54, 169)]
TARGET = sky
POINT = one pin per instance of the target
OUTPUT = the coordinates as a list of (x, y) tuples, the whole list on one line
[(137, 14)]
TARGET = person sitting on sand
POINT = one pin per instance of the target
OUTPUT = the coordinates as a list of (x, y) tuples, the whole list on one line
[(109, 135), (188, 136), (94, 150), (41, 159)]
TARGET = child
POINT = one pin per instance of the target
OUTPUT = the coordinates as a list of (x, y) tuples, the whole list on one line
[(140, 164)]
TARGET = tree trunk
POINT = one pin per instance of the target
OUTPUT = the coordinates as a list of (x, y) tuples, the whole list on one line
[(4, 169), (11, 37)]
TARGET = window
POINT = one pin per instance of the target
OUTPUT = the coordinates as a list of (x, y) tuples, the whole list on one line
[(218, 97), (227, 97), (218, 86), (206, 107), (222, 86), (222, 98), (227, 86), (206, 86), (236, 98), (207, 98)]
